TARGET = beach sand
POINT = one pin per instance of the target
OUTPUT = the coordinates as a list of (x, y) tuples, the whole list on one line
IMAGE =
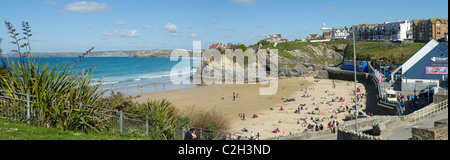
[(250, 102)]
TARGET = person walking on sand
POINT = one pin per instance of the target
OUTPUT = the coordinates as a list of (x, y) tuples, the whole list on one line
[(243, 116)]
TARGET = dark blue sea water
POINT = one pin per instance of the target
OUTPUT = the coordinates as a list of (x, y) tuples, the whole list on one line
[(125, 74)]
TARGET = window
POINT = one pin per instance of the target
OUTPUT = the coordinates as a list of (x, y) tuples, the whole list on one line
[(438, 33), (438, 29), (438, 24)]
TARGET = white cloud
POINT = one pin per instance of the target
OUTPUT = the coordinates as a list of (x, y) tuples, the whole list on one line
[(244, 2), (175, 34), (106, 35), (148, 27), (86, 7), (172, 28), (126, 33), (236, 30), (89, 25), (121, 23), (213, 20), (194, 35)]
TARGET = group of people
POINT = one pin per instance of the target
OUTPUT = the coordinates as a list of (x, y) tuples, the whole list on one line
[(242, 116), (235, 95)]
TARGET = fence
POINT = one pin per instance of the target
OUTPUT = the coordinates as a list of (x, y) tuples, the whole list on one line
[(20, 107), (428, 111), (17, 106), (204, 134)]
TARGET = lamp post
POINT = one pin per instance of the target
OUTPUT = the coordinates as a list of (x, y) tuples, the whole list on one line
[(356, 97)]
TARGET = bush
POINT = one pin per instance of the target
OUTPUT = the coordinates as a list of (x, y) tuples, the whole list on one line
[(207, 119), (162, 117)]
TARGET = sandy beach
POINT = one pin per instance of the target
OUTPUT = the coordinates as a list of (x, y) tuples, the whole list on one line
[(250, 102)]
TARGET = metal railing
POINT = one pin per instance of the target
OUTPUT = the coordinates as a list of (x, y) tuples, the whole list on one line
[(20, 107), (16, 106), (429, 110)]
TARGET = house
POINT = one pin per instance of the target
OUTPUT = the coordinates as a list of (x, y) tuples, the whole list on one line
[(273, 38), (340, 33), (433, 28), (219, 45), (428, 66), (327, 35), (312, 37), (393, 31)]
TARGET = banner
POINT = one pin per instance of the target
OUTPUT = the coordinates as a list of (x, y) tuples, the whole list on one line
[(436, 70)]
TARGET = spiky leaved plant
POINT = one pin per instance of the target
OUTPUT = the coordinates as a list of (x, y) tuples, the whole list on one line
[(61, 95), (162, 117)]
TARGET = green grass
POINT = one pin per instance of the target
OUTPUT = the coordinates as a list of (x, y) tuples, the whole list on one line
[(379, 50), (13, 130)]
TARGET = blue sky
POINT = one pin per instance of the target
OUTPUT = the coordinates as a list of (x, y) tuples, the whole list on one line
[(107, 25)]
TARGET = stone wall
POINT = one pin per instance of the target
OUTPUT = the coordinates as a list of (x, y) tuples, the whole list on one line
[(347, 75), (302, 136), (438, 132), (347, 131)]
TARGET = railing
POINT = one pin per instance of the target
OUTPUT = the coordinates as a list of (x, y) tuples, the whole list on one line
[(428, 111), (19, 107)]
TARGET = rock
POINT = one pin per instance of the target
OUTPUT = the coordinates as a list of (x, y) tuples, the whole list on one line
[(323, 74), (378, 128)]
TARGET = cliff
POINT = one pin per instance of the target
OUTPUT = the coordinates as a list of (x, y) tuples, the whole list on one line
[(293, 60)]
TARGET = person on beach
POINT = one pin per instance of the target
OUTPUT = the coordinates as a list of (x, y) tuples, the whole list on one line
[(243, 116)]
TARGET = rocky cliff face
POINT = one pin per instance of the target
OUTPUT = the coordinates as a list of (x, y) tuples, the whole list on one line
[(292, 62), (311, 58)]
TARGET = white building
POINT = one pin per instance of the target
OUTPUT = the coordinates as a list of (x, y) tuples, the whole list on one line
[(273, 38), (394, 31), (340, 34)]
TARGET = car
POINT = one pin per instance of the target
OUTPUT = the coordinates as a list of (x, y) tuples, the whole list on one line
[(425, 93)]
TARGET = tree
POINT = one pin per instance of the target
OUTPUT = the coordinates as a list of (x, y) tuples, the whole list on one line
[(243, 47)]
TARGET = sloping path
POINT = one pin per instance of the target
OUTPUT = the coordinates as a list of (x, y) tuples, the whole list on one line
[(401, 130)]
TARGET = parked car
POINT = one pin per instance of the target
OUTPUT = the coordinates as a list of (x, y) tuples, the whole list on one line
[(429, 91)]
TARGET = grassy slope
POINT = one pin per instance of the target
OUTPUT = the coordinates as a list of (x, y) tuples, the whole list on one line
[(378, 50), (364, 50), (10, 130)]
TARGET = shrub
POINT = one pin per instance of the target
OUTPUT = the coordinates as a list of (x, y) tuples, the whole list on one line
[(162, 117), (207, 118), (62, 96)]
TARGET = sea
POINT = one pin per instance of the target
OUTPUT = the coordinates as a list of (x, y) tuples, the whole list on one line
[(132, 76)]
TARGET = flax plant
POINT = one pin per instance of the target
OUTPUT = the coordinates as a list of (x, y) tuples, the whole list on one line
[(62, 96), (162, 117)]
